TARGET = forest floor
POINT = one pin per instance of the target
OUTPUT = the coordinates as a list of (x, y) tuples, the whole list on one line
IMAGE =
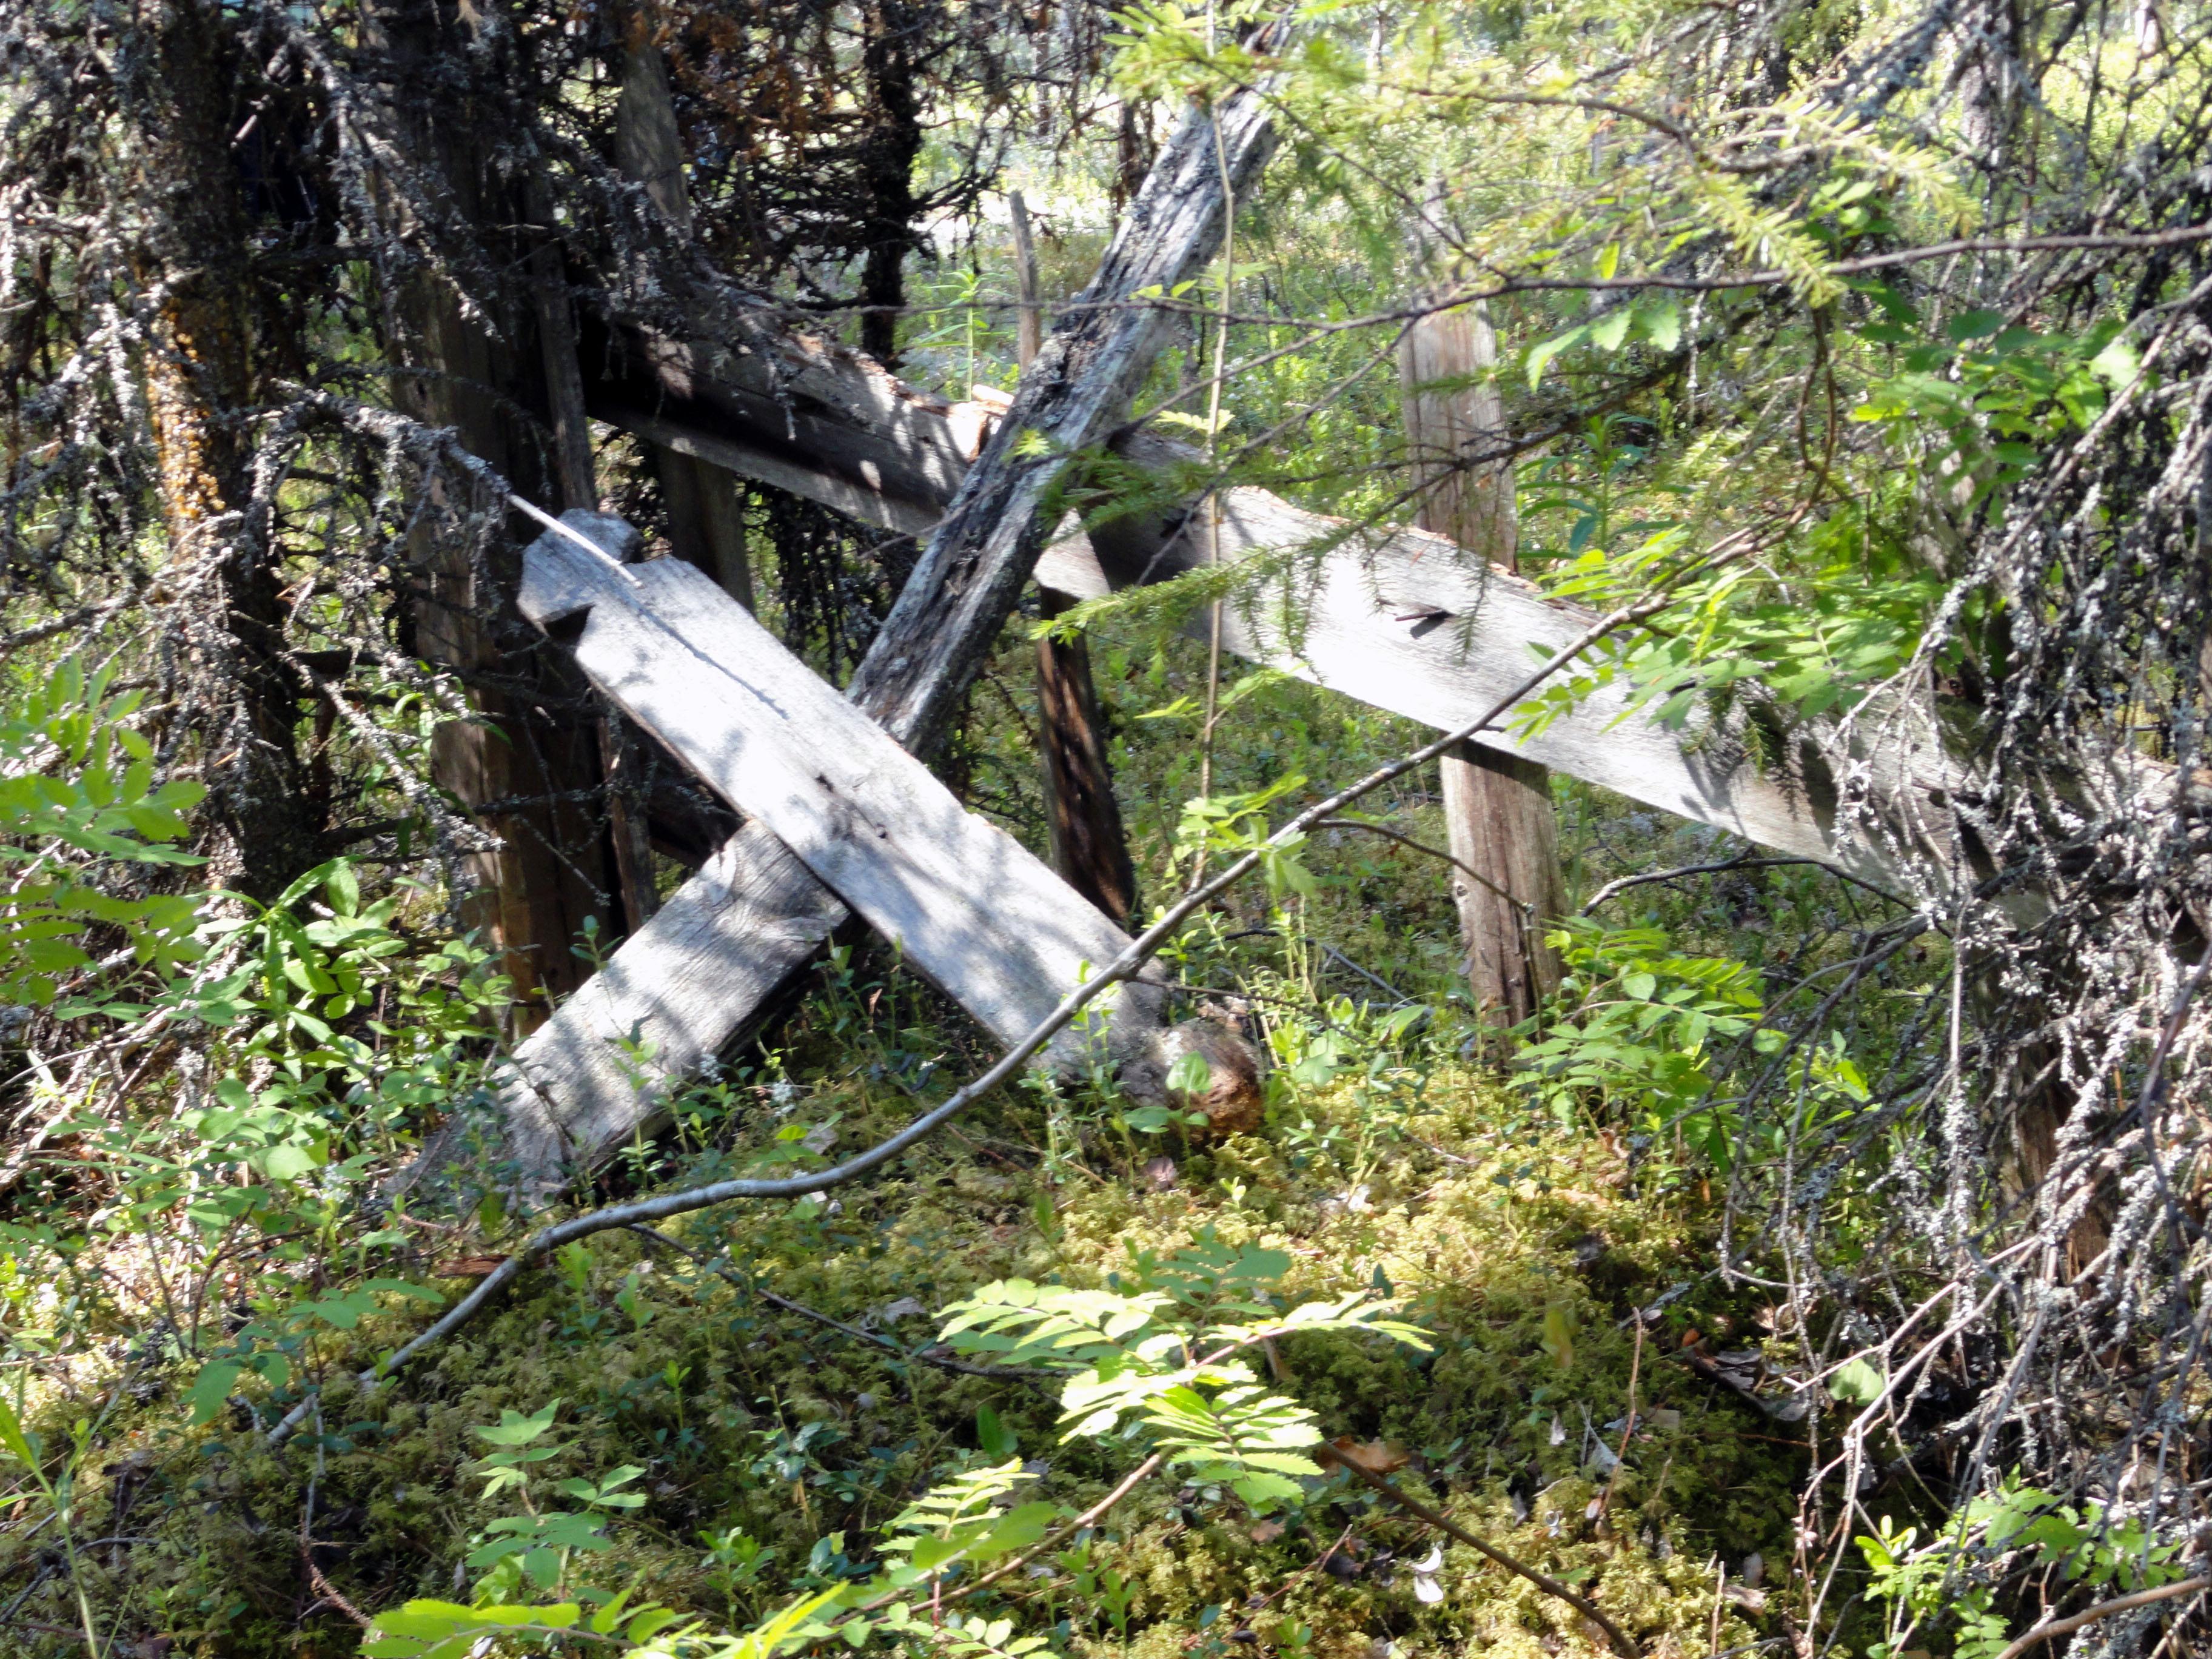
[(1521, 1253), (769, 1376)]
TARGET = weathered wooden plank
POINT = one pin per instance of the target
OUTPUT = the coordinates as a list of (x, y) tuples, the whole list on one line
[(799, 476), (978, 913), (733, 937), (1404, 621), (1420, 643)]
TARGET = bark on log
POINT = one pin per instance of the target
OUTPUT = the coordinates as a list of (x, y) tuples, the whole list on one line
[(1498, 820), (755, 903), (552, 872), (932, 643)]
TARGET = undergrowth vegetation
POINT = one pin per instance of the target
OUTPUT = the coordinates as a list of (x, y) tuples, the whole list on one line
[(1814, 1265), (741, 1413)]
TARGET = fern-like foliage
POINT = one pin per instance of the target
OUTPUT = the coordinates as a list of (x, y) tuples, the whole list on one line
[(1139, 1357)]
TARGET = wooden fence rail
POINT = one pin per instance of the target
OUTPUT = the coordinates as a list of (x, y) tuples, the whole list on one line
[(1399, 619)]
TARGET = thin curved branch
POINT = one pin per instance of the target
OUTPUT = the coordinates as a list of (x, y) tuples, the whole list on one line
[(2058, 1627), (1465, 869), (961, 1367), (1543, 1581), (1649, 876)]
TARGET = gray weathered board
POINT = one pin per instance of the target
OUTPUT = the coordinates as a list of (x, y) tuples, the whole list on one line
[(970, 906), (1405, 621)]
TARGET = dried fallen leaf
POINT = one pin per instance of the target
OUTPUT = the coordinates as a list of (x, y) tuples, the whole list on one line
[(1265, 1532), (1375, 1457), (467, 1267)]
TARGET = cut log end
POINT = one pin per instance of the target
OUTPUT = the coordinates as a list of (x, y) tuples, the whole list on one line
[(1232, 1100)]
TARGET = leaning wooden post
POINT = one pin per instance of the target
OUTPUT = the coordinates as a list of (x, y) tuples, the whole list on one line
[(706, 520), (1090, 849), (1497, 807)]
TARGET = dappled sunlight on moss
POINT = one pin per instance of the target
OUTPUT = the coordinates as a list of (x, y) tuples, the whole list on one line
[(1520, 1251)]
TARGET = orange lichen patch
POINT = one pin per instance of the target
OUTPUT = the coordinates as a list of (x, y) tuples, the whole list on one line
[(201, 348)]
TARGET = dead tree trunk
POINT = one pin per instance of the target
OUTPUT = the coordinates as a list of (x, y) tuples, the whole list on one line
[(199, 384), (1088, 848), (706, 523), (1498, 806), (737, 934), (532, 757), (889, 150)]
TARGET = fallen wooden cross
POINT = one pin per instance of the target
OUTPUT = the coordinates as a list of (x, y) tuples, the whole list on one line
[(717, 959), (970, 906), (978, 913)]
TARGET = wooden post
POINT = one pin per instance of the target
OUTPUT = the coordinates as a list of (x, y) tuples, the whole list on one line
[(1028, 326), (1089, 848), (705, 521), (1497, 807), (579, 491)]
